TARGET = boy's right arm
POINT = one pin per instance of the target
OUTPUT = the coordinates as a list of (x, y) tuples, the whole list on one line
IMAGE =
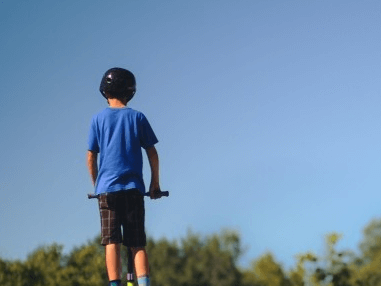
[(153, 159), (92, 165)]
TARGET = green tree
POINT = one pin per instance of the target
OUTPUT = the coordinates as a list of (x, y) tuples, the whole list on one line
[(265, 271), (42, 268), (371, 244), (165, 262), (47, 266), (196, 261), (16, 273), (85, 266), (44, 265), (202, 260), (301, 272), (334, 269), (368, 265)]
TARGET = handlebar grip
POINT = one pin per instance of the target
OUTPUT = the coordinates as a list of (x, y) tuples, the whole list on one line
[(165, 194), (92, 196), (159, 194)]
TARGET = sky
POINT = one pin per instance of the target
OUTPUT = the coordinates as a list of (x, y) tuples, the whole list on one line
[(267, 113)]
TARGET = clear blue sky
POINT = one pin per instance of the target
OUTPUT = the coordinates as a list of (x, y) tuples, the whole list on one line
[(267, 112)]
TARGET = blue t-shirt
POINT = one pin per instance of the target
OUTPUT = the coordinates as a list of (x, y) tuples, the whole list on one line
[(119, 134)]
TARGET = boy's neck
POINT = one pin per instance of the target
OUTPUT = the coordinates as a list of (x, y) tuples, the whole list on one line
[(117, 103)]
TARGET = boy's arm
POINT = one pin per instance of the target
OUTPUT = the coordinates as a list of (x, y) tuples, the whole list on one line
[(92, 165), (153, 159)]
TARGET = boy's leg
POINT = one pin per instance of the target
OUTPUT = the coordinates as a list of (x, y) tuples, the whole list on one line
[(113, 261), (111, 234), (134, 235), (141, 265), (140, 261)]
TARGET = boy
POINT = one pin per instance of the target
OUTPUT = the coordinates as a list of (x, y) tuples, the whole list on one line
[(118, 134)]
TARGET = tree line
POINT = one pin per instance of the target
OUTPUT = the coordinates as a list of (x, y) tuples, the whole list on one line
[(197, 260)]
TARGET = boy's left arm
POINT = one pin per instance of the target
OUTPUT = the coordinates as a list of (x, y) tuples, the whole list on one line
[(153, 159)]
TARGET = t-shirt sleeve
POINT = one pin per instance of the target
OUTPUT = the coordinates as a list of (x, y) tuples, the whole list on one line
[(147, 136), (93, 144)]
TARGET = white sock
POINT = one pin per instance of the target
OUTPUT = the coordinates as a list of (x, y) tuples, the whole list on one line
[(144, 281)]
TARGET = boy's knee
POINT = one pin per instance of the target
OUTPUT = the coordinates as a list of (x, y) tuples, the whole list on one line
[(137, 249)]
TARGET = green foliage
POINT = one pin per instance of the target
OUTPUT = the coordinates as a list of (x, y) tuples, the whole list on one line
[(300, 273), (47, 266), (85, 266), (265, 272), (335, 268), (371, 246), (195, 260), (16, 273), (368, 266), (203, 261)]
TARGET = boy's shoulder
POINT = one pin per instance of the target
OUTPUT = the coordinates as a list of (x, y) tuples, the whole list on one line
[(121, 111)]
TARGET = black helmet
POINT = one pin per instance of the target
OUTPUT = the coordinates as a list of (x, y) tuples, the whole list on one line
[(118, 83)]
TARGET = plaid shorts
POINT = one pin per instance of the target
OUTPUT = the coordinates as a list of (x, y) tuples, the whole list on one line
[(122, 209)]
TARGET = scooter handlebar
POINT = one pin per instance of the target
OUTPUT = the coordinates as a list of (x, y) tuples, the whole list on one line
[(158, 194)]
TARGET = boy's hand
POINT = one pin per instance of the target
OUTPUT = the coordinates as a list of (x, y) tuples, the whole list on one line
[(154, 190)]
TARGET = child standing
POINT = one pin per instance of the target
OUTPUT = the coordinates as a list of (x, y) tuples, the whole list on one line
[(118, 134)]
